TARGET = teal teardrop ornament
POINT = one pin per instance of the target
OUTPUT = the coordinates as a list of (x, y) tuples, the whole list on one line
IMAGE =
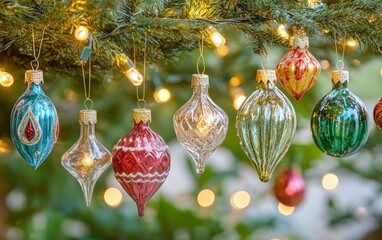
[(34, 122), (265, 124), (339, 121)]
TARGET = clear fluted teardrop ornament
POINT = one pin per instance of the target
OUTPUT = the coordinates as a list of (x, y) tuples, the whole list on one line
[(200, 125), (265, 124), (87, 159), (339, 121), (34, 121)]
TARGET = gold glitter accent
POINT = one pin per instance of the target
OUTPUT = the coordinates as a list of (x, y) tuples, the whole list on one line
[(199, 80), (299, 42), (35, 76), (266, 76), (87, 117), (340, 76), (141, 114)]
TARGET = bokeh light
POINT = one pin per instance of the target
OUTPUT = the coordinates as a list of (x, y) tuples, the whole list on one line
[(240, 200), (206, 198), (285, 210), (113, 197), (162, 95), (330, 181)]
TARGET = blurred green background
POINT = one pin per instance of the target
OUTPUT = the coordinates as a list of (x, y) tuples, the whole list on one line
[(48, 203)]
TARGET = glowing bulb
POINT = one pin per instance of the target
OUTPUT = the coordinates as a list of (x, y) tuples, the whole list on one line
[(314, 3), (381, 72), (113, 197), (216, 38), (87, 159), (238, 101), (6, 79), (351, 43), (240, 200), (133, 74), (206, 198), (285, 210), (81, 33), (281, 30), (330, 181), (162, 95)]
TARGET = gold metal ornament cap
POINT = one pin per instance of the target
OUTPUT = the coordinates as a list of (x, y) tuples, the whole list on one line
[(265, 76), (34, 76), (141, 114), (87, 117), (340, 76), (200, 80), (299, 42)]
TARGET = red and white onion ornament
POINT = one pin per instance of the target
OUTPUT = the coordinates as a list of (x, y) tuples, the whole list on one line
[(298, 70), (141, 160), (289, 188)]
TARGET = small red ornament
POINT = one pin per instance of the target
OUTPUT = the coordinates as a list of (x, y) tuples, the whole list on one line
[(378, 114), (141, 160), (289, 188), (298, 70)]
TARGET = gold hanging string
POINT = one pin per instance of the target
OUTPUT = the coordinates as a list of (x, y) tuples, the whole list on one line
[(39, 50), (139, 100), (265, 57), (87, 88), (340, 62), (201, 57)]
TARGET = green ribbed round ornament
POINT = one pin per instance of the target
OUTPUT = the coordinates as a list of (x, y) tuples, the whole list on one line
[(339, 121)]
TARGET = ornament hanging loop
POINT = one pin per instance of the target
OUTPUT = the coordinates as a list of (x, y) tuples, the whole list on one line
[(264, 59), (340, 64), (90, 102), (35, 63), (201, 57), (139, 99)]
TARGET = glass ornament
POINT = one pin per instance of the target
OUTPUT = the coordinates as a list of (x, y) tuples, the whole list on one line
[(339, 121), (298, 70), (87, 159), (141, 160), (34, 121), (266, 123), (200, 125), (289, 188), (377, 113)]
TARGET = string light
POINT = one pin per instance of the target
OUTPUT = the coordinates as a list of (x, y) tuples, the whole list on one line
[(81, 33), (6, 79), (285, 210), (330, 181), (206, 198), (133, 74), (235, 81), (240, 200), (113, 197), (352, 43), (216, 38), (313, 3), (162, 95), (281, 30)]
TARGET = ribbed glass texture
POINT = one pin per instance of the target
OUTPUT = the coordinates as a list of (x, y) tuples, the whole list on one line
[(34, 125), (339, 122), (266, 123), (200, 126), (86, 160)]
